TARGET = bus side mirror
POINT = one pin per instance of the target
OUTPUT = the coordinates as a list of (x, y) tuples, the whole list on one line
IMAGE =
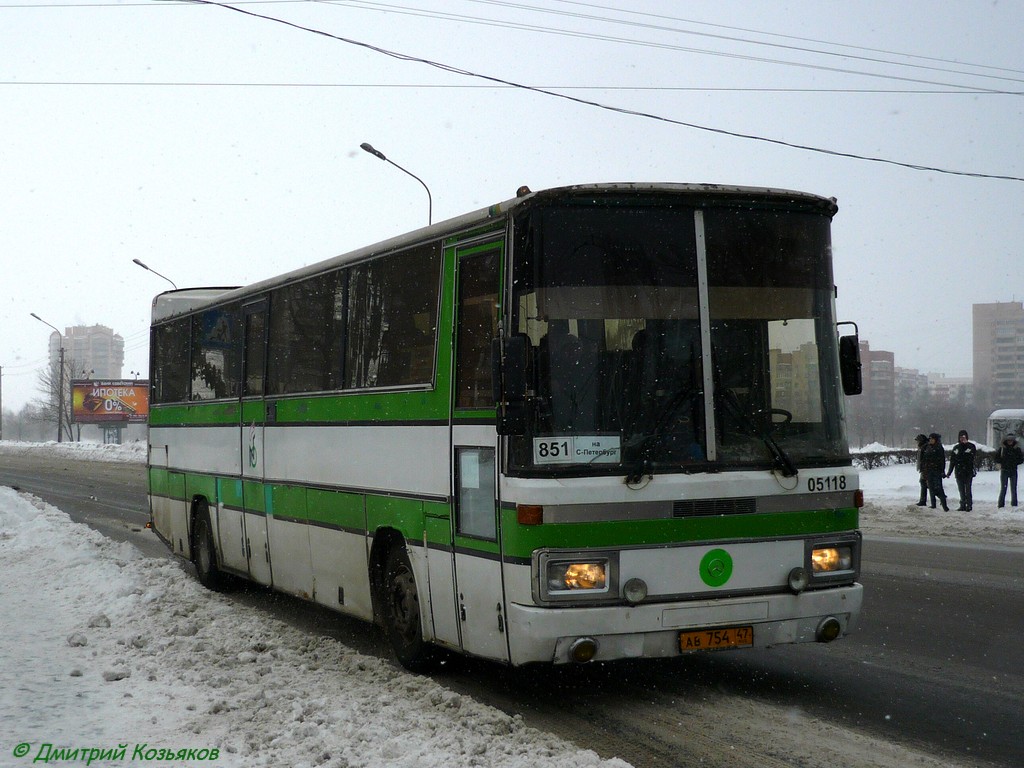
[(849, 365), (510, 382)]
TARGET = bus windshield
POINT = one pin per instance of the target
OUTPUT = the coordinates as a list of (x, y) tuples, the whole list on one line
[(666, 338)]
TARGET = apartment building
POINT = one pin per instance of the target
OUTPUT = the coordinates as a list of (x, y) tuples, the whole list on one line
[(95, 351), (999, 353)]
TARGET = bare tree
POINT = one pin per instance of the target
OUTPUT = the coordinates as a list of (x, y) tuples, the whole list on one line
[(50, 384), (25, 425)]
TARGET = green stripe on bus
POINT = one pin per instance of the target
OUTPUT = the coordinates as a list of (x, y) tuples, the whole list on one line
[(201, 485), (378, 407), (522, 540), (439, 531), (404, 515), (255, 496), (411, 517), (383, 408), (287, 501), (253, 411), (336, 509), (229, 492), (194, 413)]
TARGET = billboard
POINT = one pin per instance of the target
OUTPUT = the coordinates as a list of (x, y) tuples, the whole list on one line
[(95, 401)]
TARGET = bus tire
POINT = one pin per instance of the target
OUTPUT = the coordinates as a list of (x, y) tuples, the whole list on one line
[(204, 551), (401, 613)]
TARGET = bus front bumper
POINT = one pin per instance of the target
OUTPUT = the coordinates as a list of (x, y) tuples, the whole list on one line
[(548, 634)]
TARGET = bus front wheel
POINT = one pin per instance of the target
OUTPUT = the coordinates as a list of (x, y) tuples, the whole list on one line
[(204, 551), (401, 613)]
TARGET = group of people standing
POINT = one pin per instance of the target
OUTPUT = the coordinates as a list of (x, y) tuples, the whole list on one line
[(931, 464)]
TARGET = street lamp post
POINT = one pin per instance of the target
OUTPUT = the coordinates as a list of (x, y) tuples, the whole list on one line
[(150, 269), (377, 153), (60, 380)]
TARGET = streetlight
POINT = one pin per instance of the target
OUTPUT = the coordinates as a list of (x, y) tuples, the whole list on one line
[(155, 272), (377, 153), (60, 381)]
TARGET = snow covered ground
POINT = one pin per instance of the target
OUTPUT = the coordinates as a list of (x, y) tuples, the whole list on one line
[(891, 494), (103, 649)]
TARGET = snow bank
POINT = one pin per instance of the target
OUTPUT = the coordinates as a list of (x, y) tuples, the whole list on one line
[(102, 646), (134, 451), (891, 495)]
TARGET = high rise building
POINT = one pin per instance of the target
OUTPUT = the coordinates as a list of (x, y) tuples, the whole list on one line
[(950, 389), (95, 351), (911, 386), (872, 414), (999, 353)]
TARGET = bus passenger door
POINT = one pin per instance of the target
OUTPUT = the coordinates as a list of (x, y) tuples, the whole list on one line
[(475, 523), (253, 423)]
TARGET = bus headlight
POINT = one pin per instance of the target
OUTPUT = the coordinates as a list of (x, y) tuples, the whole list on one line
[(830, 559), (568, 577), (563, 576), (833, 561)]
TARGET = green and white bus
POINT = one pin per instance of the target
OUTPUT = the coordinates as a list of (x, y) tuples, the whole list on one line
[(588, 423)]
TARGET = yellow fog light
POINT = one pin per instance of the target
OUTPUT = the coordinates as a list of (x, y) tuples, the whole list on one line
[(829, 559), (583, 650), (828, 630)]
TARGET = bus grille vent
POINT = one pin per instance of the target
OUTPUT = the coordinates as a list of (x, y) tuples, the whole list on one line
[(713, 507)]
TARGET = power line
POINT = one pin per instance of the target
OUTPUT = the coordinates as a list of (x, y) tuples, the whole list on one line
[(463, 18), (406, 11), (747, 30), (555, 92), (676, 30), (609, 108)]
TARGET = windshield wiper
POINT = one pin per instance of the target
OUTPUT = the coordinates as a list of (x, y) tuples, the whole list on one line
[(658, 428), (780, 459)]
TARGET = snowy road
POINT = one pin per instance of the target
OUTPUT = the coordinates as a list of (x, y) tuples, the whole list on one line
[(288, 684)]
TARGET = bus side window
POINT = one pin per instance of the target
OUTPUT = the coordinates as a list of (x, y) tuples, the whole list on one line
[(477, 325), (255, 352), (216, 353), (476, 512), (171, 368), (391, 319)]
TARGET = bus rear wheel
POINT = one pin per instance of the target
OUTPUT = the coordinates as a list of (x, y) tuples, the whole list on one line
[(204, 551), (401, 613)]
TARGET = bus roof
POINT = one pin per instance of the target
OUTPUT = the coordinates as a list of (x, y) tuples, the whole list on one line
[(183, 301), (1008, 413)]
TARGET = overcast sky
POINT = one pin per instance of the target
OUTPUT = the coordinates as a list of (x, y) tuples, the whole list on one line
[(221, 148)]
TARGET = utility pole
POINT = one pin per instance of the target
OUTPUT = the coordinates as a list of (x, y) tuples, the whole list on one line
[(1, 402), (60, 379)]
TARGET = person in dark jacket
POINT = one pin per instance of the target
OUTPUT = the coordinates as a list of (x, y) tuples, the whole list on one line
[(961, 462), (933, 462), (1008, 457), (921, 441)]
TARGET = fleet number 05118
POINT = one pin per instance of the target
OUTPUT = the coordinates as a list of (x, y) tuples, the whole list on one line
[(830, 483)]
